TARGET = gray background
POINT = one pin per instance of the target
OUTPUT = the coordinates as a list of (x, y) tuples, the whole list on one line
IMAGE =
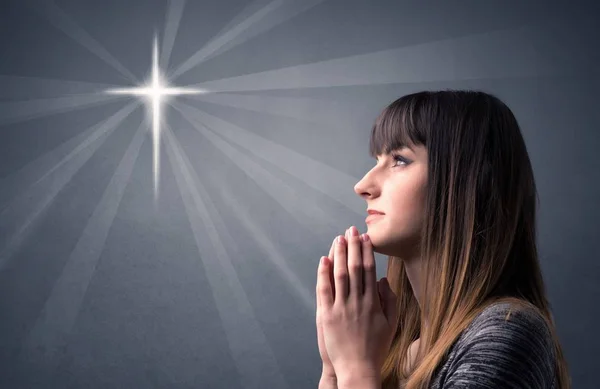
[(212, 284)]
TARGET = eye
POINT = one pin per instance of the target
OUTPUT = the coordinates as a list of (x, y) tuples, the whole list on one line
[(399, 158)]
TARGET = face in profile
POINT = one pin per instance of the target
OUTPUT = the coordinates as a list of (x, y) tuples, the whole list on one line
[(396, 187)]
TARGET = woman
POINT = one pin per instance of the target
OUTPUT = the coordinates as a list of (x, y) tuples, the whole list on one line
[(454, 202)]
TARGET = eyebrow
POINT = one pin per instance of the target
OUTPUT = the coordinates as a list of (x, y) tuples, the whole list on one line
[(402, 147)]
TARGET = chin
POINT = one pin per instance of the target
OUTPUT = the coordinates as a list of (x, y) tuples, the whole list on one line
[(391, 245), (381, 245), (385, 251)]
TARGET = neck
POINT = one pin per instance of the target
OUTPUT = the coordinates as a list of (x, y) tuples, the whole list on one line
[(412, 267)]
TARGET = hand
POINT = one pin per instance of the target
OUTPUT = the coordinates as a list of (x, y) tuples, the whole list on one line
[(358, 315), (328, 372)]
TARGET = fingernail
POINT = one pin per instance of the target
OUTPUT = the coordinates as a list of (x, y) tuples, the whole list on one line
[(364, 237), (341, 240), (353, 231)]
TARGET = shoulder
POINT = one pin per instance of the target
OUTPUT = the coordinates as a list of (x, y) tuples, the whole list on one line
[(504, 346), (504, 324)]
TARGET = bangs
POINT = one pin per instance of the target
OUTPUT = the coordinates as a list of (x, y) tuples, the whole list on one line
[(400, 124)]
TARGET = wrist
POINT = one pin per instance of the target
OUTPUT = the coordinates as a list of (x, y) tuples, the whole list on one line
[(328, 372), (328, 380), (359, 380)]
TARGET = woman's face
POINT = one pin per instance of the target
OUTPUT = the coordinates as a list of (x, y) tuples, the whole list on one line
[(396, 186)]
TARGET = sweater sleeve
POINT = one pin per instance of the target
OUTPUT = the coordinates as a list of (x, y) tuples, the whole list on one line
[(496, 352)]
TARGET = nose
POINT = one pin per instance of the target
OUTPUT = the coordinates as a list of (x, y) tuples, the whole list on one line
[(366, 187)]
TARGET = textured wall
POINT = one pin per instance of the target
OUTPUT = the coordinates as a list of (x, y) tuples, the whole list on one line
[(194, 264)]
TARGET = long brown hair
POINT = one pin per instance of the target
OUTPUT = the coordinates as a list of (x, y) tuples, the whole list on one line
[(478, 242)]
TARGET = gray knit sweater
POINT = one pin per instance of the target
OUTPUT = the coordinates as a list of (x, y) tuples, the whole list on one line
[(494, 353)]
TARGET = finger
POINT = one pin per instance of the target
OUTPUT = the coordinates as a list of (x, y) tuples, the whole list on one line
[(317, 287), (355, 264), (369, 269), (331, 261), (340, 270), (332, 250), (331, 257), (324, 290)]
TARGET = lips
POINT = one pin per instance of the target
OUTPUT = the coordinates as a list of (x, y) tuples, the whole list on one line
[(374, 212), (373, 217)]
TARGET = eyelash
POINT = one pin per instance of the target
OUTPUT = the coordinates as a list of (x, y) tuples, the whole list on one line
[(398, 158)]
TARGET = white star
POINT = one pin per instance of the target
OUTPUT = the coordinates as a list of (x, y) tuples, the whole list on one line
[(157, 91)]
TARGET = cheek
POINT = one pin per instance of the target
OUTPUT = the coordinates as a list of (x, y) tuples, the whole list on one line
[(402, 225), (407, 222), (408, 208)]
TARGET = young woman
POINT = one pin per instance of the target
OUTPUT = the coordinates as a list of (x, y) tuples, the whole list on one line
[(452, 202)]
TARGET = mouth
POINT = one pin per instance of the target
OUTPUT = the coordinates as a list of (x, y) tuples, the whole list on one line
[(373, 217)]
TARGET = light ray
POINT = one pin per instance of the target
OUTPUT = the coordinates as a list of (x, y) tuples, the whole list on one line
[(17, 218), (312, 110), (246, 13), (156, 106), (307, 213), (260, 21), (59, 19), (49, 335), (274, 255), (221, 40), (19, 181), (20, 111), (172, 25), (157, 92), (229, 295), (471, 57), (23, 88), (321, 177)]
